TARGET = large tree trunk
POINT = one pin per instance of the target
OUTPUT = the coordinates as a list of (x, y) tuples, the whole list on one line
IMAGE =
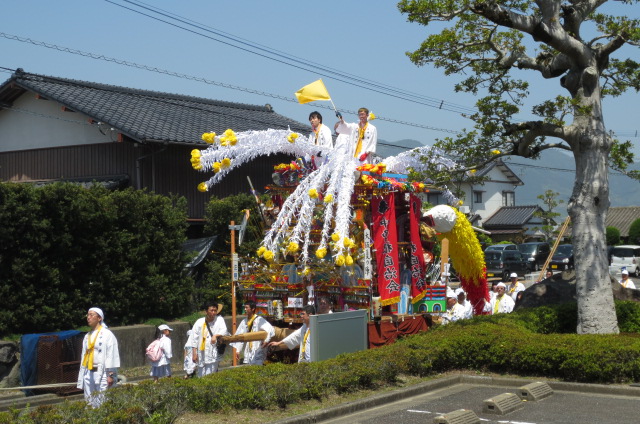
[(588, 209)]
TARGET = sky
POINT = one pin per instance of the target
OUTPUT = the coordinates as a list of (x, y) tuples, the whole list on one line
[(366, 40)]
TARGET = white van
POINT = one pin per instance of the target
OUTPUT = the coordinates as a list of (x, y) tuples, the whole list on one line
[(628, 257)]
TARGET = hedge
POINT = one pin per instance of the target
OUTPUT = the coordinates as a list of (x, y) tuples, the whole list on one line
[(517, 343), (65, 248)]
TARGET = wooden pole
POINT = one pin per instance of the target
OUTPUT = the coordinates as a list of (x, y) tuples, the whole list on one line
[(555, 246), (233, 287), (444, 257)]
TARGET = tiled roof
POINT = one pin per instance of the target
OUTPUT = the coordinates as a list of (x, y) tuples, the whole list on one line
[(148, 115), (510, 216), (622, 218)]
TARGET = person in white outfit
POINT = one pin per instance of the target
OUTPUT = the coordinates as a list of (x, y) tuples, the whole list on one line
[(501, 303), (254, 352), (301, 337), (626, 281), (462, 301), (362, 134), (515, 287), (100, 359), (455, 311), (162, 367), (320, 133), (204, 339), (188, 365)]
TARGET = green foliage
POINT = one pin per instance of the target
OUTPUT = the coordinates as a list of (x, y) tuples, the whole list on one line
[(64, 248), (613, 236), (634, 232), (548, 215), (215, 283)]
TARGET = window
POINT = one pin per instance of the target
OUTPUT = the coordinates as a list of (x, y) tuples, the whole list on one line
[(508, 198), (477, 197), (434, 199)]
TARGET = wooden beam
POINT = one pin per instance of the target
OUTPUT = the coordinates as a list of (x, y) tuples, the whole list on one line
[(66, 109)]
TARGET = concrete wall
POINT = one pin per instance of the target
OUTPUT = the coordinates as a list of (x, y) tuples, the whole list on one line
[(133, 340)]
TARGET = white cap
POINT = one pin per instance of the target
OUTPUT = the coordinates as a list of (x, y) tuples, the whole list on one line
[(450, 293), (513, 275), (625, 272), (501, 285), (164, 327), (460, 290)]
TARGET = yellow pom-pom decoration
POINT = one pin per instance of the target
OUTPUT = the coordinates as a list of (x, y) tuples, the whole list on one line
[(292, 247), (335, 237), (321, 253), (202, 187), (268, 255), (495, 152), (209, 137), (291, 138), (349, 260), (261, 251), (340, 260), (328, 198), (225, 163), (473, 171), (371, 116), (313, 193), (306, 271), (216, 167), (195, 153)]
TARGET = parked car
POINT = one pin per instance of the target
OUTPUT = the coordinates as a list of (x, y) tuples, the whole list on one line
[(502, 247), (563, 258), (501, 263), (628, 257), (536, 253)]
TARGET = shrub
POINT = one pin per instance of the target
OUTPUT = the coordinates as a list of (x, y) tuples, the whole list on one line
[(613, 236), (64, 248), (634, 232)]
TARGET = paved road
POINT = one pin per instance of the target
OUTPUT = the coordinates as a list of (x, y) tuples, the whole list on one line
[(563, 407)]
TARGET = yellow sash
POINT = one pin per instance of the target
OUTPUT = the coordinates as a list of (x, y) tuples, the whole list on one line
[(204, 335), (87, 361), (360, 137), (250, 327), (303, 347), (495, 308)]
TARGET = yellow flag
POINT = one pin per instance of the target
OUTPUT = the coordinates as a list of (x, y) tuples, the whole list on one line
[(314, 91)]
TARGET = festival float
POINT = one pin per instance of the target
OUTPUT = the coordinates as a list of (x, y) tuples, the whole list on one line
[(351, 232)]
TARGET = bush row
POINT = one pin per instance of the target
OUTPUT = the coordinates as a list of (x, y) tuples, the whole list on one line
[(64, 248), (518, 343)]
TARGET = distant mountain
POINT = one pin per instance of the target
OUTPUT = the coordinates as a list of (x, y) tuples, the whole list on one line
[(393, 148), (555, 170)]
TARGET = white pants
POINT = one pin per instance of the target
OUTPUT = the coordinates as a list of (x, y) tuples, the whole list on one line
[(93, 384), (208, 369)]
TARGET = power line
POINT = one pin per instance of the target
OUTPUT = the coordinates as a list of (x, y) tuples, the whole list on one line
[(302, 65)]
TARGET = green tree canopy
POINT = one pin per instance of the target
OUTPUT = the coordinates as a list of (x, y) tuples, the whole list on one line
[(492, 45)]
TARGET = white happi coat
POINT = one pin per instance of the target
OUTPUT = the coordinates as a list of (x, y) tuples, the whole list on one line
[(324, 137), (106, 357), (514, 290), (369, 141), (167, 353), (254, 353), (505, 306), (468, 309), (627, 284), (454, 314), (295, 339), (218, 328)]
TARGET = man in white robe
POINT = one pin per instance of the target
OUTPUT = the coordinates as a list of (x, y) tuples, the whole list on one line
[(625, 281), (254, 352), (462, 301), (206, 331), (100, 359), (515, 287), (320, 133), (301, 337), (362, 134), (455, 311), (501, 303)]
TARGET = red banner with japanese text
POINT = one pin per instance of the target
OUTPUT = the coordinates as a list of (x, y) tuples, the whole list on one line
[(385, 241), (418, 280)]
